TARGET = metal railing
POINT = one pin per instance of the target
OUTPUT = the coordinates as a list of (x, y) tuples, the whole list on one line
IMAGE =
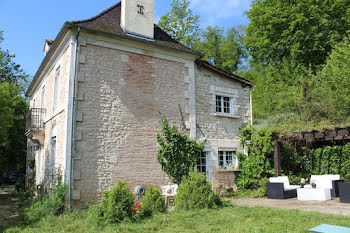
[(35, 119)]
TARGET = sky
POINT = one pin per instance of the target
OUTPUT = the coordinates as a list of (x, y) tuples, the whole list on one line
[(27, 23)]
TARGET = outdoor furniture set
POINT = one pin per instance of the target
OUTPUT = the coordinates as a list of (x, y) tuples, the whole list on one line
[(325, 188)]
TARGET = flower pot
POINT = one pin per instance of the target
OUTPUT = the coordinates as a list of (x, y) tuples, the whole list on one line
[(313, 186)]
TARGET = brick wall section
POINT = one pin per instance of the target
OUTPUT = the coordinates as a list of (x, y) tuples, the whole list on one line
[(218, 131), (125, 97)]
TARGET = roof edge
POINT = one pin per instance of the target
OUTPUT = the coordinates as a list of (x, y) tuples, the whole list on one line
[(96, 16), (225, 73), (48, 56)]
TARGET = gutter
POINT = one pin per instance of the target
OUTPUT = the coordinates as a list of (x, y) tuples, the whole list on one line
[(72, 126)]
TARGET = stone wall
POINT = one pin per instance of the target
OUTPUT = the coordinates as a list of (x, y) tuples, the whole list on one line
[(218, 131), (55, 119), (123, 97)]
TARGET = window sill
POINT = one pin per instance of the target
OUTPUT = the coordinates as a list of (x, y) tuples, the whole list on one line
[(225, 115), (228, 170)]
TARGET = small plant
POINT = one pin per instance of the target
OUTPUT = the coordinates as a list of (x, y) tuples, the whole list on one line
[(152, 202), (117, 203), (195, 193), (49, 204)]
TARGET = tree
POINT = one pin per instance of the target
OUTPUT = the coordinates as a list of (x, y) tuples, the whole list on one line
[(332, 85), (10, 72), (302, 31), (13, 108), (178, 154), (222, 50), (180, 23)]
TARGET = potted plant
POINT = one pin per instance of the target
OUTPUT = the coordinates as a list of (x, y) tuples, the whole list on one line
[(313, 184)]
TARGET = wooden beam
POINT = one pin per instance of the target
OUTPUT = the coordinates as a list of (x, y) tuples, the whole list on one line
[(277, 156)]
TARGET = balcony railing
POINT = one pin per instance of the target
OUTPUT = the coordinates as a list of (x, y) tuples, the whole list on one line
[(35, 119)]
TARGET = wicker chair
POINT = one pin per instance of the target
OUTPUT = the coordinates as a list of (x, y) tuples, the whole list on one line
[(344, 192)]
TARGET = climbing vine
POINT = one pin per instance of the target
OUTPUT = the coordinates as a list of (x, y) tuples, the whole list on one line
[(258, 163)]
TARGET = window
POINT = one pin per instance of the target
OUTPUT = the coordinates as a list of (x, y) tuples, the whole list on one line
[(202, 163), (42, 103), (52, 158), (224, 105), (227, 160), (56, 87)]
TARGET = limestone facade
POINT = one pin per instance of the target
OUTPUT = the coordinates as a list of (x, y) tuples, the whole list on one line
[(122, 91)]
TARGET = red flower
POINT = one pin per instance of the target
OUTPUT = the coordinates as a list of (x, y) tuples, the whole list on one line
[(137, 206)]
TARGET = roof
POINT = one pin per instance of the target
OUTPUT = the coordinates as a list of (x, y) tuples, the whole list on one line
[(109, 21), (224, 73)]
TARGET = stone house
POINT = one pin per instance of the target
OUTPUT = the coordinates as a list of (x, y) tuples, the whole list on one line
[(98, 98)]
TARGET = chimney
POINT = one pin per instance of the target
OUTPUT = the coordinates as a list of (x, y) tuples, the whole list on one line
[(137, 18), (47, 45)]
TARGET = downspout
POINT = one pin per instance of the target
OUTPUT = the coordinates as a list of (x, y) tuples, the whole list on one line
[(72, 126)]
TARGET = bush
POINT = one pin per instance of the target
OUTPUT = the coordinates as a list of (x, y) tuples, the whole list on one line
[(195, 193), (152, 202), (50, 204), (117, 203)]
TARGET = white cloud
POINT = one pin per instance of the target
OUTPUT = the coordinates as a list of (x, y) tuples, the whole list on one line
[(212, 11)]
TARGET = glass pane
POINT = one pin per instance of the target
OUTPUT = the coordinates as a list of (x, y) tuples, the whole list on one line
[(227, 105), (218, 104)]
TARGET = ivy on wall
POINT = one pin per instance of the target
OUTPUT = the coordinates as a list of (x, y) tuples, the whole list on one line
[(329, 160), (258, 164)]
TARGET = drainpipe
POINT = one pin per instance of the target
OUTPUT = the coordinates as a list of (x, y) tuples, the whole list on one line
[(72, 126)]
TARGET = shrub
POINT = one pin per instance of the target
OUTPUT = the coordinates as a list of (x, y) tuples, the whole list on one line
[(50, 204), (152, 202), (195, 193), (117, 203)]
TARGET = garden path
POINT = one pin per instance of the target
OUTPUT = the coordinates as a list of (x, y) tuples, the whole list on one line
[(330, 207), (9, 209)]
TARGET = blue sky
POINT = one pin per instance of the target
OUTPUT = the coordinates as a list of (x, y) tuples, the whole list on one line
[(26, 24)]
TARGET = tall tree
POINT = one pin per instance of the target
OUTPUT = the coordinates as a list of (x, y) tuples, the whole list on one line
[(180, 23), (13, 108), (303, 31), (224, 50)]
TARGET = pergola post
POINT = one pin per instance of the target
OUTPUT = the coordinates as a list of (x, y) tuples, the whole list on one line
[(277, 156)]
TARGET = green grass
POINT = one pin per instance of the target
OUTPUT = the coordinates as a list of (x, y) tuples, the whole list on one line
[(230, 219)]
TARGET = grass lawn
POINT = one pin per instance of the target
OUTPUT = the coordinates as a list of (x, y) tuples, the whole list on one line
[(230, 219)]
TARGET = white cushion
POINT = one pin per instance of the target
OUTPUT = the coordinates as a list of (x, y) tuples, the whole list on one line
[(280, 179), (324, 181)]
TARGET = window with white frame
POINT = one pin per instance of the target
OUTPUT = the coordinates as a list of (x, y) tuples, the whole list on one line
[(202, 163), (227, 160), (224, 105), (56, 87)]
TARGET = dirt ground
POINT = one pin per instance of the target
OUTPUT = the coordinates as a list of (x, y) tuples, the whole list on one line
[(9, 209), (330, 207)]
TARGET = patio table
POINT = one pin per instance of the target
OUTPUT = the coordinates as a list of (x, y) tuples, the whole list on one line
[(314, 194)]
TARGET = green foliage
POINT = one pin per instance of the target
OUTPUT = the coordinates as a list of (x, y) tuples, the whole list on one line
[(258, 164), (180, 23), (178, 154), (152, 202), (49, 205), (195, 193), (13, 108), (10, 72), (117, 203), (224, 50), (303, 31), (329, 160), (331, 91)]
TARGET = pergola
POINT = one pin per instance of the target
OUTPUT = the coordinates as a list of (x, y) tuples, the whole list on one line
[(314, 138)]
